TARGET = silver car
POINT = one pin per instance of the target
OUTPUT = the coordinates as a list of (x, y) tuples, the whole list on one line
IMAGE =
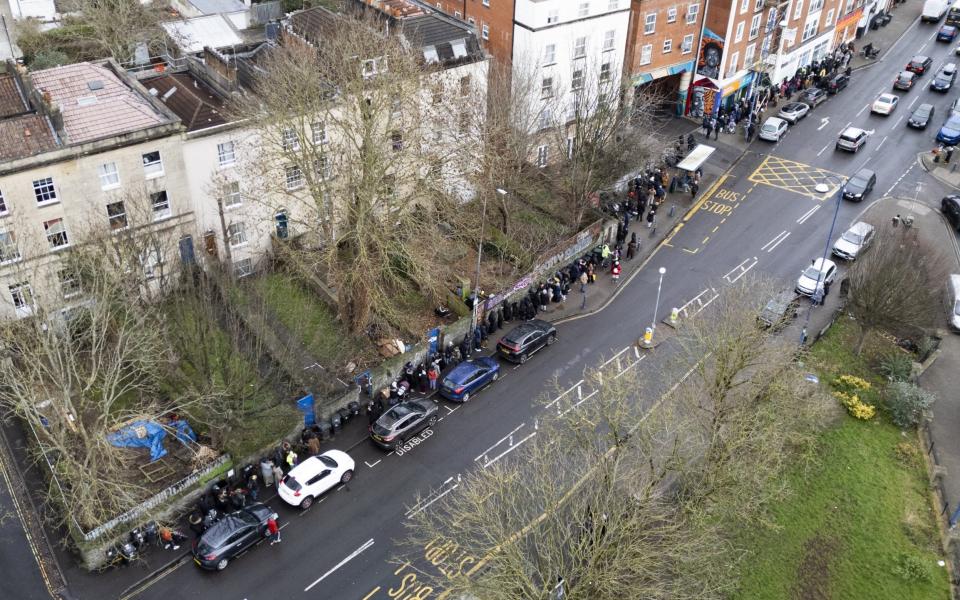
[(793, 112), (818, 275), (854, 241)]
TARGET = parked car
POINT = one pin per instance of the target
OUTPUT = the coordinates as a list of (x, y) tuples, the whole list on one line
[(231, 536), (792, 112), (813, 96), (837, 83), (884, 104), (950, 207), (819, 274), (920, 64), (921, 116), (526, 339), (954, 108), (779, 310), (904, 80), (946, 33), (943, 80), (851, 139), (949, 133), (854, 241), (773, 129), (469, 377), (314, 476), (952, 298), (403, 421), (858, 186)]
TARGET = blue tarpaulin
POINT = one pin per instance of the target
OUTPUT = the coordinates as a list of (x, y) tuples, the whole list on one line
[(141, 434), (184, 433)]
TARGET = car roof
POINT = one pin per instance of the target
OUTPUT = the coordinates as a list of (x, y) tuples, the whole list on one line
[(887, 97), (823, 264), (864, 173), (308, 467), (909, 74), (774, 121), (464, 369), (919, 58), (854, 131), (861, 227), (813, 90), (793, 105), (925, 106)]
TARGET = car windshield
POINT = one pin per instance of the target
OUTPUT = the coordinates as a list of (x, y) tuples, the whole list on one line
[(769, 127), (956, 308), (792, 107), (943, 78), (291, 482), (852, 237), (328, 462), (906, 77), (857, 183), (953, 123), (812, 272)]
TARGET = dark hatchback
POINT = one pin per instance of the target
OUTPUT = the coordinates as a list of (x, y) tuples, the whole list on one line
[(921, 116), (525, 339), (920, 64), (904, 80), (859, 185), (813, 96), (403, 421), (950, 207), (469, 377), (837, 83), (231, 536)]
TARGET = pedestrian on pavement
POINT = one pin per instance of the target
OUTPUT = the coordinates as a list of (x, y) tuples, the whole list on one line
[(273, 531), (313, 445), (583, 295), (253, 487), (291, 460), (651, 216), (432, 376), (716, 128), (277, 474), (896, 221), (632, 246), (694, 188), (708, 127), (950, 150)]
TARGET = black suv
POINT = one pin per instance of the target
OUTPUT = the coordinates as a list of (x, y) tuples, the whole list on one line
[(813, 96), (525, 339), (403, 421), (837, 83), (919, 64), (231, 535), (950, 207)]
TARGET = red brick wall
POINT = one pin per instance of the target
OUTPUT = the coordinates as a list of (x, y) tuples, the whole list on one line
[(498, 17), (637, 38)]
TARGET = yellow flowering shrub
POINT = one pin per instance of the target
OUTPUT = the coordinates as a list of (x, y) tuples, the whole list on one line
[(852, 382), (856, 407)]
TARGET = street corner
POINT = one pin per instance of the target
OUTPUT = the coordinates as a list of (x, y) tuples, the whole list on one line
[(942, 171)]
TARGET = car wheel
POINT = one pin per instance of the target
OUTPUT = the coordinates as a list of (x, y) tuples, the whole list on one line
[(306, 502), (466, 397), (347, 476), (523, 358), (496, 376), (222, 564), (551, 339), (432, 421)]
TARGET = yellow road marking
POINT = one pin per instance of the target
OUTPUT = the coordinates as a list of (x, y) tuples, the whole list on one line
[(706, 195), (792, 176)]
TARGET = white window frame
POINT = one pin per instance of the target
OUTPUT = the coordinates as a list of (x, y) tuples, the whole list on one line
[(810, 28), (117, 221), (161, 209), (9, 250), (485, 31), (549, 55), (755, 26), (109, 176), (21, 294), (672, 14), (646, 54), (758, 5), (237, 234), (609, 40), (584, 10), (226, 154), (293, 177), (546, 87), (667, 46), (45, 191), (797, 9), (486, 2), (732, 66), (739, 35), (54, 228), (577, 78), (693, 12), (650, 23), (230, 193), (324, 167), (152, 168), (243, 267), (815, 6), (829, 20), (542, 156), (69, 281), (318, 131), (570, 145), (744, 5), (546, 117), (749, 55), (580, 47), (150, 261), (686, 46), (3, 204), (553, 17), (289, 140), (606, 70)]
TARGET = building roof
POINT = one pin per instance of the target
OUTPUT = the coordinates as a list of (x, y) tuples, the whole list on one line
[(94, 102), (26, 135), (215, 31), (314, 23), (211, 7), (11, 100), (197, 105)]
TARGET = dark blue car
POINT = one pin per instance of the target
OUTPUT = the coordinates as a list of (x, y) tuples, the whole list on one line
[(468, 377), (949, 134)]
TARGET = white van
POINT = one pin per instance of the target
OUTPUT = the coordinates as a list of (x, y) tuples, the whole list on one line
[(933, 10), (953, 302)]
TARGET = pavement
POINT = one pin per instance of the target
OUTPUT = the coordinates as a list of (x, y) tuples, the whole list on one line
[(946, 173)]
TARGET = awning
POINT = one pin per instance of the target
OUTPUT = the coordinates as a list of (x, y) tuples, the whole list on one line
[(696, 158)]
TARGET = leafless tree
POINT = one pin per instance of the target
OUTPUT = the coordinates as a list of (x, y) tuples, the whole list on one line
[(897, 284)]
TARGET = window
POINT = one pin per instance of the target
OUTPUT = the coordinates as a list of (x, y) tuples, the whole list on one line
[(609, 38), (9, 251), (605, 72), (810, 28), (686, 47), (22, 296), (541, 156), (553, 16), (546, 117), (396, 141), (744, 5), (570, 148), (152, 164), (739, 35), (230, 194), (373, 66), (546, 87), (771, 19), (829, 20), (693, 10), (755, 26), (160, 204), (236, 234), (580, 47), (458, 14), (242, 268), (109, 176), (672, 14), (294, 177), (290, 140), (549, 54), (69, 282), (465, 86), (576, 80), (584, 10), (850, 6), (667, 45), (815, 5), (645, 54), (56, 233), (649, 23), (323, 167), (758, 6), (797, 9), (319, 131), (225, 154), (486, 2), (44, 191), (614, 5), (749, 55), (732, 67), (3, 204), (485, 31), (117, 216), (152, 261), (472, 21)]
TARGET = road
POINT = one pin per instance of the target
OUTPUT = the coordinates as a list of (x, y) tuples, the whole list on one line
[(763, 217)]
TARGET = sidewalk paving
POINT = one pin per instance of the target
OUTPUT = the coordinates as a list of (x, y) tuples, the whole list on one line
[(884, 38), (945, 173)]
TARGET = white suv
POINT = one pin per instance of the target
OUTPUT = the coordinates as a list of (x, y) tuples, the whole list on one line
[(852, 139), (314, 476)]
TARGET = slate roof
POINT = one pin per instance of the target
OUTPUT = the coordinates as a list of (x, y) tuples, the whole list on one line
[(26, 135), (95, 103), (11, 101), (197, 105), (314, 23)]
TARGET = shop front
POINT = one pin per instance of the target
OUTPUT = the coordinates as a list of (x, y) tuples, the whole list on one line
[(707, 95), (670, 83)]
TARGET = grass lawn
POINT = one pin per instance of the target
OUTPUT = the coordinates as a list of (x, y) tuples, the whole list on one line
[(857, 514)]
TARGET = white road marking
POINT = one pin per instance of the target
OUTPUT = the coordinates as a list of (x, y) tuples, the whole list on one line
[(374, 464), (822, 150), (773, 247), (742, 267), (808, 214), (555, 400), (775, 238), (504, 438), (421, 507), (865, 107), (823, 123), (898, 122), (450, 411), (881, 142), (352, 556), (511, 448), (914, 101)]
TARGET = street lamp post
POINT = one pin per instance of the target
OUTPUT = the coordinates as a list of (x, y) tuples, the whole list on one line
[(823, 188), (656, 306)]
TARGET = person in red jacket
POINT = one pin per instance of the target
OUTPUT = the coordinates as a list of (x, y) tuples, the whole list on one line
[(432, 375), (273, 531), (615, 270)]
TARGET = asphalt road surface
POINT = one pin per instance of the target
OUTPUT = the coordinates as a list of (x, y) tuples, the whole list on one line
[(763, 217)]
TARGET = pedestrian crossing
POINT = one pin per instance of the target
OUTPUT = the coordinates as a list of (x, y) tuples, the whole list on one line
[(795, 177)]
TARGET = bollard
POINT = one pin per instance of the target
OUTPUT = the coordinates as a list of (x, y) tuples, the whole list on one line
[(674, 316), (673, 208), (647, 341)]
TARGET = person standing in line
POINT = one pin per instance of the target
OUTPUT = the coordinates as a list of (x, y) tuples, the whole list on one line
[(432, 376), (651, 216), (273, 531)]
